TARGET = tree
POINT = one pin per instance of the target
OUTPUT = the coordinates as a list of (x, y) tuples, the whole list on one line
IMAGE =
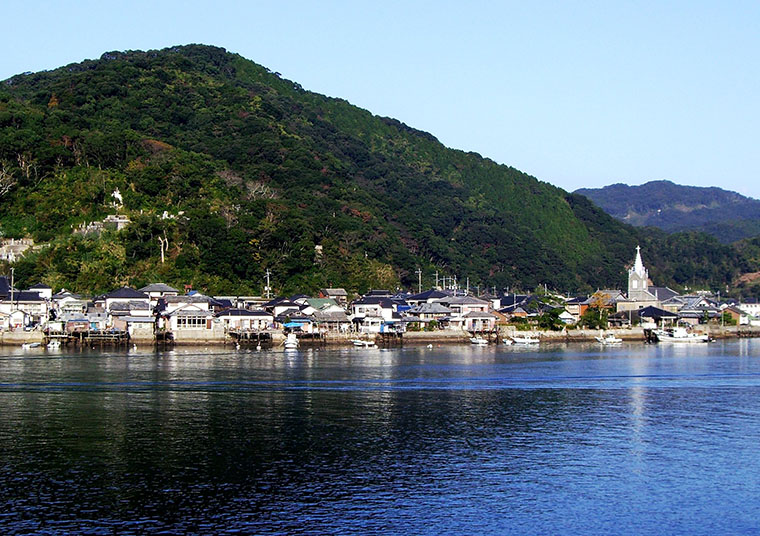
[(7, 178), (549, 320), (594, 318)]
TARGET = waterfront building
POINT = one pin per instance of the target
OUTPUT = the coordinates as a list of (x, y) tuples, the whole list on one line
[(642, 293), (338, 294)]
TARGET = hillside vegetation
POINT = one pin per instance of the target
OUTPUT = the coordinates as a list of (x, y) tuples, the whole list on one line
[(726, 215), (240, 171)]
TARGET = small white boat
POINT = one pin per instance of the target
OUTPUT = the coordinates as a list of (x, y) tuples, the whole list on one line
[(54, 344), (364, 344), (508, 342), (291, 343), (527, 339), (479, 341), (680, 335), (28, 345), (608, 339)]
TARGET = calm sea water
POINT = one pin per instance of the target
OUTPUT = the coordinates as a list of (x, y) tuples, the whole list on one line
[(573, 439)]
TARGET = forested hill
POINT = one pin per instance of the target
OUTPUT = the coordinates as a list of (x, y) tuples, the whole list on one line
[(726, 215), (241, 171)]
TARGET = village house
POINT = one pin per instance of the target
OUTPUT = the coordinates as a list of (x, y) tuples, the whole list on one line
[(140, 328), (24, 308), (428, 312), (429, 296), (327, 314), (373, 306), (121, 296), (193, 323), (244, 302), (133, 308), (479, 321), (172, 303), (698, 309), (741, 318), (158, 290), (461, 305), (573, 307), (332, 320), (608, 299), (91, 319), (43, 290), (338, 294), (371, 313), (751, 307), (244, 319), (67, 302), (282, 307)]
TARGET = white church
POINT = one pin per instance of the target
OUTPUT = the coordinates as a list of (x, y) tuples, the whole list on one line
[(641, 292)]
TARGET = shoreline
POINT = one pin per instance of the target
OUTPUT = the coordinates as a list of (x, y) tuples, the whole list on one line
[(17, 338)]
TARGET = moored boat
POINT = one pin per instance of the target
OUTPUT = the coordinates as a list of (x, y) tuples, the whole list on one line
[(479, 341), (526, 339), (364, 344), (608, 339), (680, 334), (291, 343)]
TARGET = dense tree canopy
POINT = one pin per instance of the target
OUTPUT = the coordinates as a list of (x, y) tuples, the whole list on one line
[(240, 171)]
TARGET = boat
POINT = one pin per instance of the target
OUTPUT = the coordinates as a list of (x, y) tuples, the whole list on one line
[(508, 342), (28, 345), (479, 341), (291, 343), (527, 339), (54, 344), (680, 334), (608, 339), (364, 344)]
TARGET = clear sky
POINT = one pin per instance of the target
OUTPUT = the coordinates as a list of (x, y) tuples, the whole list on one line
[(579, 94)]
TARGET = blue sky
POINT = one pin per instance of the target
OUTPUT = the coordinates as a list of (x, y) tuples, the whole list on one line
[(578, 94)]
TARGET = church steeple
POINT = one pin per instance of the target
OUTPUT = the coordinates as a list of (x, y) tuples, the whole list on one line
[(638, 265), (638, 278)]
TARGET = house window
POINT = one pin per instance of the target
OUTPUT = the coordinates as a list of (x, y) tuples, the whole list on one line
[(635, 284), (191, 322)]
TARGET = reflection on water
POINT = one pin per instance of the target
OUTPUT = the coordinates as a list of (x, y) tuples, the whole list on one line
[(569, 439)]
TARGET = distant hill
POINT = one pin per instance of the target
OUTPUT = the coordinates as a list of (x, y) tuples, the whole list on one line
[(226, 171), (726, 215)]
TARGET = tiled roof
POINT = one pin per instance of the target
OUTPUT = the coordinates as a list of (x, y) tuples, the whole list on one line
[(158, 287), (126, 292), (196, 298), (243, 312)]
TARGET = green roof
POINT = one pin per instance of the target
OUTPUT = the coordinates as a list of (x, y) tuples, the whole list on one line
[(318, 303)]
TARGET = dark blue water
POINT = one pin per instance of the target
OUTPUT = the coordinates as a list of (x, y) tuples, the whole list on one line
[(452, 440)]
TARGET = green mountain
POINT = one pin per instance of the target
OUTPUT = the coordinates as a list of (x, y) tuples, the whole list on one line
[(726, 215), (240, 171)]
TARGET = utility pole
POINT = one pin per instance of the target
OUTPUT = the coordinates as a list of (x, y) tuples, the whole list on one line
[(468, 285), (267, 288), (419, 280), (436, 280), (12, 289)]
